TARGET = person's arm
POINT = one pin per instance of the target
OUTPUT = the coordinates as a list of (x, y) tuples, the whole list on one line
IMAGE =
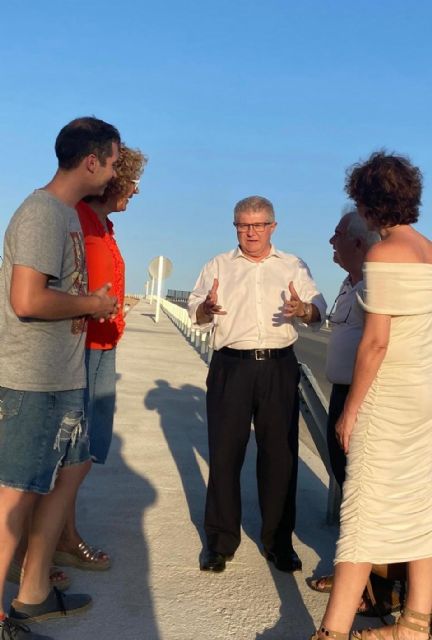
[(370, 354), (306, 312), (30, 297), (203, 299), (305, 302), (209, 307)]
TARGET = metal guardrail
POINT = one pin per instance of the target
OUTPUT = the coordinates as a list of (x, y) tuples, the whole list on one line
[(313, 404), (314, 410), (177, 295)]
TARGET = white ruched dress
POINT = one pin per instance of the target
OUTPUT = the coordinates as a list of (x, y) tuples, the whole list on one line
[(386, 511)]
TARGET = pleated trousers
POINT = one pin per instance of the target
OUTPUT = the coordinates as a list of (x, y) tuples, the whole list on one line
[(240, 391)]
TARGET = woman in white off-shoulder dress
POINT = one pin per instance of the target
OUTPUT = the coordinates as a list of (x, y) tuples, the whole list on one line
[(386, 426)]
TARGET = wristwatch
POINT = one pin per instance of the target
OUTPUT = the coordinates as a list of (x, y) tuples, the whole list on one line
[(307, 312)]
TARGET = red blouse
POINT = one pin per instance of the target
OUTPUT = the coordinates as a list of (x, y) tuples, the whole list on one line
[(104, 264)]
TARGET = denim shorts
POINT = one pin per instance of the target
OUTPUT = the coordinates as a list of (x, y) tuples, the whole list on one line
[(40, 432)]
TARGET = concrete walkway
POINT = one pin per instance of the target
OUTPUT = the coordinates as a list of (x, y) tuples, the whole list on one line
[(145, 507)]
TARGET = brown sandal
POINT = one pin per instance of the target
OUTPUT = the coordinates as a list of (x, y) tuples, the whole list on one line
[(323, 584), (58, 578), (401, 622), (83, 556), (380, 598)]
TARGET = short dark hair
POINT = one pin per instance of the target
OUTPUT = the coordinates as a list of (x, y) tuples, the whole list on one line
[(389, 188), (82, 137)]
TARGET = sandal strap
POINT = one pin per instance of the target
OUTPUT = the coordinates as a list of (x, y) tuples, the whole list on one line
[(335, 635), (90, 553), (403, 622), (415, 614), (414, 626)]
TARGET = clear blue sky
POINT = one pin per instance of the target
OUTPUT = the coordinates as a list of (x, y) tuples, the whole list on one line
[(228, 99)]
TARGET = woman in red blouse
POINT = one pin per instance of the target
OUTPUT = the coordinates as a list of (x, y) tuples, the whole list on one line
[(104, 264)]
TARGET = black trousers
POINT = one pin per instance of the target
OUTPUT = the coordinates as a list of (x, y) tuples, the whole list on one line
[(238, 391), (337, 457)]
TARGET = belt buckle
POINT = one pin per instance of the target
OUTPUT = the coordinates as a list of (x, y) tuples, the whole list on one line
[(260, 354)]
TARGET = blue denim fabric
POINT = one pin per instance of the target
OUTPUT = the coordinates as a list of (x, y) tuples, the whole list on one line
[(39, 433), (100, 400)]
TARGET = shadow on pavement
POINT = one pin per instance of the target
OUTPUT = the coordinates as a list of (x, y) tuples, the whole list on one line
[(183, 422), (183, 410)]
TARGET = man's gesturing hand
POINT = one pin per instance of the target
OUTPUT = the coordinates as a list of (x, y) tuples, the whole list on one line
[(293, 307), (107, 306), (210, 306)]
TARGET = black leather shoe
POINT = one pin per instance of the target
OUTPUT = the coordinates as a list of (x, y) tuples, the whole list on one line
[(213, 561), (287, 561)]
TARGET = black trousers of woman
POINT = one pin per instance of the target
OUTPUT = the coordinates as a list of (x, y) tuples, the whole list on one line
[(239, 391)]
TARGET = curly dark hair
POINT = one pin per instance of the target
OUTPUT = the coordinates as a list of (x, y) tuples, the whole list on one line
[(389, 188)]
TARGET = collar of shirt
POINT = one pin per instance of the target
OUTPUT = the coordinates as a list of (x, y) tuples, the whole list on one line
[(348, 286), (238, 253)]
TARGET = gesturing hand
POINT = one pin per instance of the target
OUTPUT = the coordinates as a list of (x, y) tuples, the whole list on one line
[(210, 306), (293, 307)]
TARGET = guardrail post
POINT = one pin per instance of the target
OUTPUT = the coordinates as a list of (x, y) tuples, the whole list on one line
[(197, 340), (209, 354), (314, 409), (204, 343)]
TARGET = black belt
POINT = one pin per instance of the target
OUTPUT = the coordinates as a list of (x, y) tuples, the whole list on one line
[(256, 354)]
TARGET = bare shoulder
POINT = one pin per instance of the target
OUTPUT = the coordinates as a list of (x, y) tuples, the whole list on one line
[(408, 246), (382, 252)]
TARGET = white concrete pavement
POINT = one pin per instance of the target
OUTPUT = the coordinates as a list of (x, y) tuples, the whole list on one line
[(145, 507)]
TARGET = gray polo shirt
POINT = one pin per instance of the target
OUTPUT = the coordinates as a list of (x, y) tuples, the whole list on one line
[(346, 320)]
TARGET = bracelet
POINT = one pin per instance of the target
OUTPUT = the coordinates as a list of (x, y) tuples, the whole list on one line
[(307, 316)]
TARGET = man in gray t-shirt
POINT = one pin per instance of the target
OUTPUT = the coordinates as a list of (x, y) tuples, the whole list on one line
[(45, 235), (43, 307)]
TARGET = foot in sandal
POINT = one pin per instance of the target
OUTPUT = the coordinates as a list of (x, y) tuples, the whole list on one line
[(57, 577), (388, 596), (410, 621), (82, 556)]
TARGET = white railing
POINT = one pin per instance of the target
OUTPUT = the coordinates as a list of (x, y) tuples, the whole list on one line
[(180, 317), (313, 404)]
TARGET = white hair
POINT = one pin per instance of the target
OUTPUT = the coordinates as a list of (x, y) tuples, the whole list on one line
[(357, 228)]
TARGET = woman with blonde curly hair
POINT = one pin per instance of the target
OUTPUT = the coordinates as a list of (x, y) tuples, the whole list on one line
[(104, 264)]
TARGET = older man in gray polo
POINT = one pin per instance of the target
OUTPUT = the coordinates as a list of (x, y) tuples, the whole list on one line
[(351, 241), (250, 299)]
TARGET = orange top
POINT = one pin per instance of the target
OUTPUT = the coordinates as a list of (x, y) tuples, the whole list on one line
[(104, 264)]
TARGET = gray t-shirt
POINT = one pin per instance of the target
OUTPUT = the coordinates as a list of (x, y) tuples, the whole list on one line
[(43, 355)]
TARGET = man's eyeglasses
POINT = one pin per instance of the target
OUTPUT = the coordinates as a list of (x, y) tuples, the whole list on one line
[(258, 227), (333, 316), (136, 183)]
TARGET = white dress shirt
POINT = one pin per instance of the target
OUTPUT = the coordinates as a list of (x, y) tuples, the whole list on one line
[(346, 320), (252, 294)]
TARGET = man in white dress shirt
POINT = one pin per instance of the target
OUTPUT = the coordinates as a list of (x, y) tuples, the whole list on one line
[(250, 298)]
